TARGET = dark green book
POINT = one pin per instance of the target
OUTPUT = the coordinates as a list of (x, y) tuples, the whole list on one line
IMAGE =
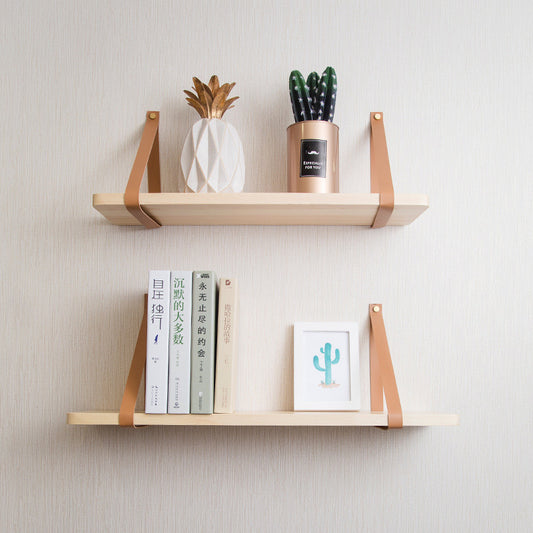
[(203, 332)]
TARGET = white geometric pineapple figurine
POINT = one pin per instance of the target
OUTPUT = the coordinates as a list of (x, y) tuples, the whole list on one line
[(212, 159)]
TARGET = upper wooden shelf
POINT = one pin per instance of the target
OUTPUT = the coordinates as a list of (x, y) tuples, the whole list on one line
[(268, 209), (274, 418)]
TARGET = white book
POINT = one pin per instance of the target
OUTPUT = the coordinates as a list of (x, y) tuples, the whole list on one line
[(179, 348), (226, 358), (157, 342)]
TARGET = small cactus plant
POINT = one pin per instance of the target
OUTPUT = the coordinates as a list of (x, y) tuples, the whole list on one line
[(314, 99), (327, 362)]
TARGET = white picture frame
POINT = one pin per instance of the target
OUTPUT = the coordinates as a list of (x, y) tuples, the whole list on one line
[(326, 366)]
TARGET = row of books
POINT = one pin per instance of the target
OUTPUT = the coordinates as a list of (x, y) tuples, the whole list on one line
[(191, 332)]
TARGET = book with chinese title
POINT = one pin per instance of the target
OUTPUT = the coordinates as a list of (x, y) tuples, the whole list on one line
[(179, 348), (203, 330), (226, 356), (157, 342)]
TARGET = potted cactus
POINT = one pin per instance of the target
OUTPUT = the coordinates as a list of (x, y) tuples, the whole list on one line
[(212, 159), (313, 140)]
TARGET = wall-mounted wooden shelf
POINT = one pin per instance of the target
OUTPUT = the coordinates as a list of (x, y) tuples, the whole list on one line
[(381, 207), (382, 385), (274, 418), (270, 209)]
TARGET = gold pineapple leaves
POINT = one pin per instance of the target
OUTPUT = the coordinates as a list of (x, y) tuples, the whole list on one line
[(211, 100)]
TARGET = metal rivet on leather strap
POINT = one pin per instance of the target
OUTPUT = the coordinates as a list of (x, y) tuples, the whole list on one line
[(375, 309), (152, 116), (377, 116)]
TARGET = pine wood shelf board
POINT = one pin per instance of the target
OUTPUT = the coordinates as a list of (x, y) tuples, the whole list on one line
[(274, 418), (262, 209)]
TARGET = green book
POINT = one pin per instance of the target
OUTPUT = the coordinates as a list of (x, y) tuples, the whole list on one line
[(203, 331)]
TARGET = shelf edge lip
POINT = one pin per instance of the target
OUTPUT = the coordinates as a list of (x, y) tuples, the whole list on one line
[(252, 198), (267, 419)]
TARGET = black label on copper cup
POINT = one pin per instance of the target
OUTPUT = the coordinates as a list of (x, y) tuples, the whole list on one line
[(313, 154)]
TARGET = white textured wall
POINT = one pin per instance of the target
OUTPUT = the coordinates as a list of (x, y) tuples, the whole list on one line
[(454, 79)]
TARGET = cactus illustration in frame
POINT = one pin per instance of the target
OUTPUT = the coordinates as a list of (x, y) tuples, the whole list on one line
[(326, 351), (326, 366)]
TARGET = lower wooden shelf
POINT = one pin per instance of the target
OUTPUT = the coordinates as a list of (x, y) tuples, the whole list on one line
[(273, 418)]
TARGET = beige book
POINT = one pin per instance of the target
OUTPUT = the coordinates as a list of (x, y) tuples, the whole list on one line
[(227, 345)]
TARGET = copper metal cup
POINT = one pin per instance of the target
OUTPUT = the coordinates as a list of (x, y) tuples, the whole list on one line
[(313, 156)]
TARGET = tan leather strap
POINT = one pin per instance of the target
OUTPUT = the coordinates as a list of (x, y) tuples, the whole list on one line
[(147, 155), (380, 174), (133, 383), (382, 379)]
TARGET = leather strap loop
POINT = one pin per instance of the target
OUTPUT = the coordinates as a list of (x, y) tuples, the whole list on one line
[(133, 383), (382, 379), (380, 174), (147, 156)]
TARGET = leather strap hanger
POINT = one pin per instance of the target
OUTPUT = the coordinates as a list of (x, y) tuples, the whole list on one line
[(147, 156), (380, 174), (382, 379), (133, 383)]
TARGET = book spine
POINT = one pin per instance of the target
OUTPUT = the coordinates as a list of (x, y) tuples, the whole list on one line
[(226, 358), (157, 342), (179, 348), (203, 332)]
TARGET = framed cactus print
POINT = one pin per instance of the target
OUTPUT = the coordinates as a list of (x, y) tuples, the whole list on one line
[(326, 366)]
